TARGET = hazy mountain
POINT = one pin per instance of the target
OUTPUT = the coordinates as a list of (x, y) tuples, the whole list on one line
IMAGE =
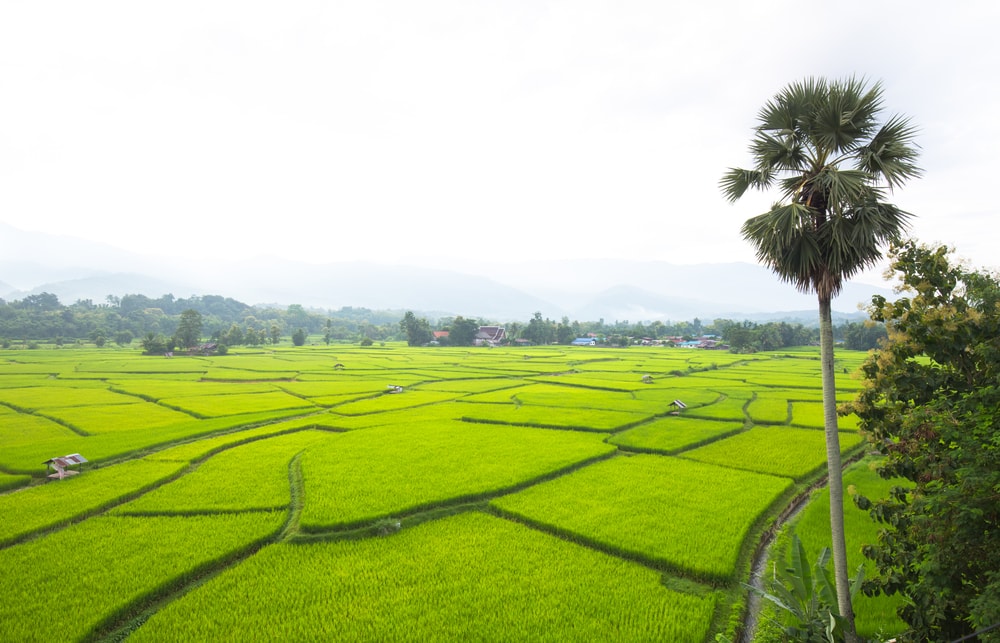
[(71, 290), (620, 303), (723, 287), (613, 290), (29, 259), (377, 286)]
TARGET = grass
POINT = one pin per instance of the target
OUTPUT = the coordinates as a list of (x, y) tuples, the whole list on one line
[(874, 614), (674, 434), (74, 590), (558, 418), (527, 519), (690, 516), (378, 472), (781, 451), (57, 503), (250, 477), (468, 577)]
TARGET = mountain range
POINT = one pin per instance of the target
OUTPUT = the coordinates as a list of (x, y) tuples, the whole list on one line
[(586, 290)]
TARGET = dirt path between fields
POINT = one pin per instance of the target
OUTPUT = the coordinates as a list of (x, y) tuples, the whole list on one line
[(759, 565), (761, 554)]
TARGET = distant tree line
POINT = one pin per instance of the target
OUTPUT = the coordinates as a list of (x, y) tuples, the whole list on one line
[(741, 337), (168, 323), (162, 321)]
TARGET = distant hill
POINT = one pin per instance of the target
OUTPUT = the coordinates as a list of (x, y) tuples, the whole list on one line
[(613, 290), (625, 302), (71, 290)]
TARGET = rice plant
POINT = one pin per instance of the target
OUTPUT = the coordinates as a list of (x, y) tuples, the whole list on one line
[(468, 577), (691, 516)]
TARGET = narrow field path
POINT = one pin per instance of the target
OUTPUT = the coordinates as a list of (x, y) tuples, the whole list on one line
[(758, 566), (143, 609)]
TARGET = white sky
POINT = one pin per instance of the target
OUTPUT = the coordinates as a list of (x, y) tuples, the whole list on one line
[(465, 130)]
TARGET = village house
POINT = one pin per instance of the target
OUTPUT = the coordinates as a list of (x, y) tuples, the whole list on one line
[(490, 336)]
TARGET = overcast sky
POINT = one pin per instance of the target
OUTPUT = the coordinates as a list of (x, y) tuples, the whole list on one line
[(465, 130)]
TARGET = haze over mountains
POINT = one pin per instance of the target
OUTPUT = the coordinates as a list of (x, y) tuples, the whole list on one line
[(613, 290)]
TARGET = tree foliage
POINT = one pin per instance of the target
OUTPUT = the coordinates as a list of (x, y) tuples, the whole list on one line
[(189, 328), (225, 320), (539, 331), (232, 323), (462, 331), (863, 337), (931, 403), (805, 597), (822, 146), (749, 337), (416, 329)]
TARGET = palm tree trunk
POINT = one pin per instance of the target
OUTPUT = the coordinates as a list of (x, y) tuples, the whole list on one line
[(836, 481)]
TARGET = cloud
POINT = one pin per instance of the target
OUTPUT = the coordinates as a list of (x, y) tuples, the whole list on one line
[(500, 131)]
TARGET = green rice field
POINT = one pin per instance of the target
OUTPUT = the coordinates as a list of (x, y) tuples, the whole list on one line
[(541, 493)]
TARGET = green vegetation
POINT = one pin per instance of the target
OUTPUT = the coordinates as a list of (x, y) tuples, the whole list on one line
[(468, 577), (674, 434), (77, 580), (686, 515), (876, 615), (244, 478), (495, 493), (932, 405), (51, 505), (780, 451), (391, 470), (832, 157), (212, 325)]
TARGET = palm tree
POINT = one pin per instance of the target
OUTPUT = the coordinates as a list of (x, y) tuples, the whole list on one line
[(822, 146)]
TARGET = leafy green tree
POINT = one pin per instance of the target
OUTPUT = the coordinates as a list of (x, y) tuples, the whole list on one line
[(234, 336), (823, 147), (297, 316), (42, 301), (154, 344), (741, 337), (463, 331), (565, 331), (539, 331), (99, 337), (863, 337), (767, 338), (417, 331), (931, 403), (514, 330), (299, 337), (254, 337), (189, 328)]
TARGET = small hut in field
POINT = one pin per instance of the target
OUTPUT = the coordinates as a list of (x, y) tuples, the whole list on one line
[(60, 466)]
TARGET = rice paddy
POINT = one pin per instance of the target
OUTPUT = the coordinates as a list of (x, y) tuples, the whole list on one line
[(395, 493)]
